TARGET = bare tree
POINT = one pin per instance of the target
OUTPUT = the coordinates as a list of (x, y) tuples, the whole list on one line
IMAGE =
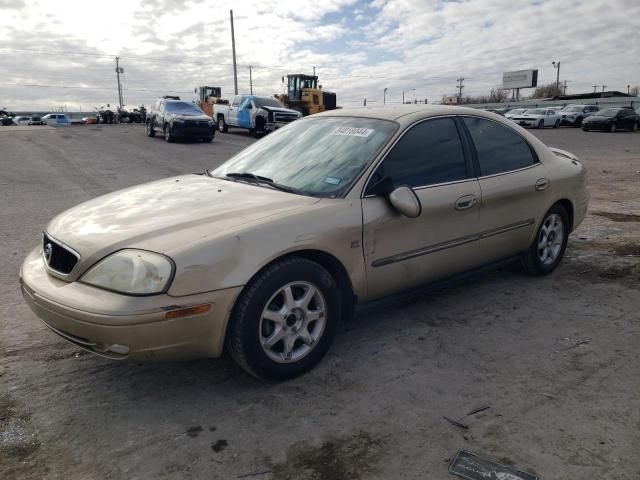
[(546, 91), (635, 91)]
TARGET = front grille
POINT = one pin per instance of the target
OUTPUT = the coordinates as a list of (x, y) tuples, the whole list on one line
[(57, 257), (281, 117)]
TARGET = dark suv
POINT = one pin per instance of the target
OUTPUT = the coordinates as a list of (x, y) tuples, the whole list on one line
[(174, 118)]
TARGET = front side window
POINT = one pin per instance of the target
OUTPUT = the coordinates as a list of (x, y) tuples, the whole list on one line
[(499, 148), (429, 153)]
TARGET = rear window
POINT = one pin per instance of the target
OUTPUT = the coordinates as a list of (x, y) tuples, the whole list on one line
[(499, 148)]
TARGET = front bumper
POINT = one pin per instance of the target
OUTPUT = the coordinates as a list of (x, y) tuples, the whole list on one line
[(271, 126), (193, 131), (124, 327), (567, 120), (527, 123), (596, 126)]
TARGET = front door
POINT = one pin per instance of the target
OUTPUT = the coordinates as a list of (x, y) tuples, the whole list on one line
[(515, 188), (233, 111), (402, 252)]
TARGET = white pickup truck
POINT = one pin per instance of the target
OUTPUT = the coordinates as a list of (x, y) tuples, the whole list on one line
[(257, 114)]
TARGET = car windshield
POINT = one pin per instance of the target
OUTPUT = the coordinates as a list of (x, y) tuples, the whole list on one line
[(573, 109), (267, 102), (516, 111), (536, 111), (316, 156), (183, 108), (607, 112)]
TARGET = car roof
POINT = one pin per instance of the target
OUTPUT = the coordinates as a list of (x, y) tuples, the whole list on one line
[(407, 113)]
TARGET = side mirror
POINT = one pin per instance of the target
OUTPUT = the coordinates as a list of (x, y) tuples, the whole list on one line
[(406, 202)]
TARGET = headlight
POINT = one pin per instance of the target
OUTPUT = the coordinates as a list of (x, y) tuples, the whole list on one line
[(134, 272)]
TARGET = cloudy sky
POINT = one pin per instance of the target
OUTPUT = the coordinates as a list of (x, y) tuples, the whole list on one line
[(62, 52)]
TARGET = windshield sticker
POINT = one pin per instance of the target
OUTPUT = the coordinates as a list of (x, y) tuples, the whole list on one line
[(353, 132), (332, 180)]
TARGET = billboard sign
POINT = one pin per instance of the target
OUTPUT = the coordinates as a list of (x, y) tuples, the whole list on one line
[(520, 79)]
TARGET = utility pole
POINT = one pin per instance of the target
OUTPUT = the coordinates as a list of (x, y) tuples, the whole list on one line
[(118, 72), (250, 81), (594, 88), (564, 92), (233, 49), (460, 86), (384, 96), (314, 71), (556, 65), (628, 89)]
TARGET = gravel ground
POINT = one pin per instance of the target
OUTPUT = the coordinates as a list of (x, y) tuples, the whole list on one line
[(555, 359)]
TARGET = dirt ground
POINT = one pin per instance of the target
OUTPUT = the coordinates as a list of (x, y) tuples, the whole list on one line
[(555, 359)]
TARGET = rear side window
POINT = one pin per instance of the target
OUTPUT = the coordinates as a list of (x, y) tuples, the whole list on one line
[(429, 153), (499, 148)]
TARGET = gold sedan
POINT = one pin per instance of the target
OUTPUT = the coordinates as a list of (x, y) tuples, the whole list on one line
[(264, 255)]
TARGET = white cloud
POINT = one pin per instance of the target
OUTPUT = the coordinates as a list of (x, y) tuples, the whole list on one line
[(396, 44)]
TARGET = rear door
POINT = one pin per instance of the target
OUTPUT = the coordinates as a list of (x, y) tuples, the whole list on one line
[(402, 252), (515, 187)]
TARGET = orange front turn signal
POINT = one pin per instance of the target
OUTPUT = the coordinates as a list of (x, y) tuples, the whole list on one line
[(187, 312)]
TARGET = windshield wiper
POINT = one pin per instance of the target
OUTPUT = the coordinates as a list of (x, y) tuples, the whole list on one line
[(252, 177)]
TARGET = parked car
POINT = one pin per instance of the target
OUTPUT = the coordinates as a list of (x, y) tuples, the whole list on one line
[(612, 119), (538, 118), (575, 114), (6, 120), (22, 120), (179, 119), (89, 120), (257, 114), (515, 111), (56, 119), (36, 120), (264, 255)]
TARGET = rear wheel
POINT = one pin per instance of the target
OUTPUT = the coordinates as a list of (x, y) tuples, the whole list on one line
[(557, 124), (634, 127), (547, 249), (151, 132), (612, 128), (285, 320), (578, 121)]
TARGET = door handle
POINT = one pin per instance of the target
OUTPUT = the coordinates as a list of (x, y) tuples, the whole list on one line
[(466, 202), (542, 184)]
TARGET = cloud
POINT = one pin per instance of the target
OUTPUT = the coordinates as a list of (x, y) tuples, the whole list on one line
[(358, 48)]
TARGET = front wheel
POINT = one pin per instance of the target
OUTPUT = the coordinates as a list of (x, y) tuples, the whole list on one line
[(578, 121), (557, 124), (634, 128), (151, 132), (168, 137), (222, 125), (547, 249), (285, 320), (541, 124), (612, 128)]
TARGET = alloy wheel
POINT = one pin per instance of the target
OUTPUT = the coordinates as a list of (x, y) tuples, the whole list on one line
[(550, 239), (292, 322)]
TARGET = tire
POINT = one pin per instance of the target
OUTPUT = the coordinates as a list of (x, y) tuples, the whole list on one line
[(547, 249), (585, 129), (578, 122), (612, 128), (249, 329), (540, 124), (222, 125), (557, 124), (259, 131), (634, 127), (208, 139), (151, 132), (167, 134)]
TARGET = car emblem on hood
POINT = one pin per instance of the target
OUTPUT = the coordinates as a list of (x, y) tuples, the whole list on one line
[(48, 250)]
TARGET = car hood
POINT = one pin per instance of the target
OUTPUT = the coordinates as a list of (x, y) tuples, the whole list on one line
[(597, 118), (279, 109), (165, 215), (529, 115), (179, 116)]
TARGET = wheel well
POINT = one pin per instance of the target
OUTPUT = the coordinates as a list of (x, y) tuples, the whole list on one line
[(337, 271), (568, 206)]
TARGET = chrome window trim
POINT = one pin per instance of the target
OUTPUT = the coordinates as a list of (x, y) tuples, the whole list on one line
[(63, 245), (451, 243), (391, 146), (510, 171)]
